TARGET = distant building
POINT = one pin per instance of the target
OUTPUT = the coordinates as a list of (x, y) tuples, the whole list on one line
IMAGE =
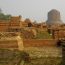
[(54, 18)]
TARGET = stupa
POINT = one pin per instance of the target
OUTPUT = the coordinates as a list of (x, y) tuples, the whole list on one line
[(54, 17)]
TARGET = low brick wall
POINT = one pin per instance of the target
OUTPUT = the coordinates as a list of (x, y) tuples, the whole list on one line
[(8, 44), (39, 42)]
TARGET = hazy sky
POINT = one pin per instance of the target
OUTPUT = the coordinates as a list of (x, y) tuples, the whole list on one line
[(33, 9)]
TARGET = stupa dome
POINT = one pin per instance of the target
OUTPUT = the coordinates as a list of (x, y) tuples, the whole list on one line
[(54, 17)]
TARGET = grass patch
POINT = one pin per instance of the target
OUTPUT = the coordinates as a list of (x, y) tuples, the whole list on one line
[(43, 35), (45, 61)]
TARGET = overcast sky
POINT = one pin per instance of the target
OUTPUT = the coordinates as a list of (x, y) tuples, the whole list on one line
[(33, 9)]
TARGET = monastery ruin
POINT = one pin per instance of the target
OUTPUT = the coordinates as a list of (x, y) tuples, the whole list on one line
[(16, 34)]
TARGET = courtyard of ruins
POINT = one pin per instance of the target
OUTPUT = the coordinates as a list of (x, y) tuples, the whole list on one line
[(42, 41)]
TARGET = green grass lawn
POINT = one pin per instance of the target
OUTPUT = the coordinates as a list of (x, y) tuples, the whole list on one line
[(43, 35)]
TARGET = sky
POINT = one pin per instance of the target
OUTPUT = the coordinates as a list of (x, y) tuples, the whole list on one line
[(33, 9)]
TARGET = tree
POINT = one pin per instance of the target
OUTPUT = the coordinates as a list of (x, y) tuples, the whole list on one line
[(0, 10), (3, 16), (7, 17)]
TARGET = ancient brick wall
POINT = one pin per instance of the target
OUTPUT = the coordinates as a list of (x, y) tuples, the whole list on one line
[(5, 44), (4, 24), (15, 22), (59, 33), (39, 42)]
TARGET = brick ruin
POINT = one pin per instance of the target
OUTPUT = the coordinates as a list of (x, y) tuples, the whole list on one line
[(11, 40), (10, 31), (11, 44), (15, 24)]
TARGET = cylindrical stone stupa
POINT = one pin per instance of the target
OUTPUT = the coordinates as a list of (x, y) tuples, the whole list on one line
[(54, 17)]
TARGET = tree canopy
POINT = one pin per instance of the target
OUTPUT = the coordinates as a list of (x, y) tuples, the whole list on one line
[(3, 16)]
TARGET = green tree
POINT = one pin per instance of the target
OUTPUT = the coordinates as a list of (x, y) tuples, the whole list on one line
[(3, 16)]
